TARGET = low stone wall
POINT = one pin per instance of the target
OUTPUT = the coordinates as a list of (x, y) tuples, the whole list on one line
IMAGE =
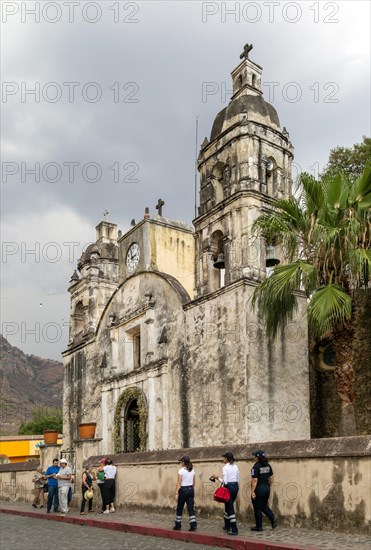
[(323, 483), (16, 481), (318, 483)]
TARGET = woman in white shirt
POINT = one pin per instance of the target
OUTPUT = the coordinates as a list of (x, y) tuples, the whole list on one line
[(109, 486), (185, 494), (230, 479)]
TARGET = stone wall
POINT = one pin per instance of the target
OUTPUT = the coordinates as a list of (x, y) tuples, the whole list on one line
[(321, 483), (16, 481)]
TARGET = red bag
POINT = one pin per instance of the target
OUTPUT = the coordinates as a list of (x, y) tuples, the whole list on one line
[(222, 494)]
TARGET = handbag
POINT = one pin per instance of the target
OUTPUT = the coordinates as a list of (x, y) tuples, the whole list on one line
[(46, 487), (222, 494)]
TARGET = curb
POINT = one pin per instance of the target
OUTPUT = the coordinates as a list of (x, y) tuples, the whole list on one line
[(207, 539)]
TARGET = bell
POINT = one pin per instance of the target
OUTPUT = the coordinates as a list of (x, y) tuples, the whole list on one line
[(270, 258), (219, 262)]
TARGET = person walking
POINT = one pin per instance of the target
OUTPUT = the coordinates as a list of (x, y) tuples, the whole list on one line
[(52, 486), (230, 479), (261, 480), (38, 480), (109, 486), (185, 494), (64, 481), (88, 477)]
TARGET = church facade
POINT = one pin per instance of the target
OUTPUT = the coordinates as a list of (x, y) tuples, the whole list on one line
[(165, 350)]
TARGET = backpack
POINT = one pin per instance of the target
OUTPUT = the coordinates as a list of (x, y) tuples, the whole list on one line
[(100, 475)]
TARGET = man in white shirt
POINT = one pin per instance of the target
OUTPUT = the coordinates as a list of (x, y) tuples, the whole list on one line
[(64, 482)]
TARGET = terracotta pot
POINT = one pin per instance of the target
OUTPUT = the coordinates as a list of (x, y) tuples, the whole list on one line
[(50, 437), (87, 431)]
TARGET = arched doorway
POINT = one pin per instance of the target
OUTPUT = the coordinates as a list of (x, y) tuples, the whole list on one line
[(130, 423), (131, 434)]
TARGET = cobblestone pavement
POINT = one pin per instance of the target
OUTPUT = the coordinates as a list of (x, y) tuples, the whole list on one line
[(305, 537), (24, 533)]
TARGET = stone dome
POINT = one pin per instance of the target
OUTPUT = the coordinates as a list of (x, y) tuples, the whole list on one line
[(105, 251), (255, 108)]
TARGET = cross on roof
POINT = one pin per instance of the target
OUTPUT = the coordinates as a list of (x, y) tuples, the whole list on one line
[(105, 213), (246, 49), (159, 206)]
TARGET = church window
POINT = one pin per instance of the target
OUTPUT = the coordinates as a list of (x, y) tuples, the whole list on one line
[(79, 318), (133, 348)]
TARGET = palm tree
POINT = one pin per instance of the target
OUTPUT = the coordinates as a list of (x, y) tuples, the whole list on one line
[(324, 233)]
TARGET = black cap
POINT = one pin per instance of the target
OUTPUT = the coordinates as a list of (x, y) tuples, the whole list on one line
[(258, 453), (184, 458), (228, 456)]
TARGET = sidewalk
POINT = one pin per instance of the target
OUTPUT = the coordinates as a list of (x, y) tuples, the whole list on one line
[(209, 533)]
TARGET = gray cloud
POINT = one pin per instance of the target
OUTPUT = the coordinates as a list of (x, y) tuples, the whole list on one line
[(170, 54)]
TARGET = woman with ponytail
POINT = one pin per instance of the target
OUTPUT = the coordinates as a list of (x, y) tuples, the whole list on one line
[(230, 479), (185, 494), (261, 480)]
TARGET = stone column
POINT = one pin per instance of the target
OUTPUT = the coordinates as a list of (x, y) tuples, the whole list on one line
[(48, 453)]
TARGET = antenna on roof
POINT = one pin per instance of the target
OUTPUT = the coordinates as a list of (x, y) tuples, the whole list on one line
[(196, 166)]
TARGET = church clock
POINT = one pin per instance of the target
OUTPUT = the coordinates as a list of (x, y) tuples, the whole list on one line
[(132, 257)]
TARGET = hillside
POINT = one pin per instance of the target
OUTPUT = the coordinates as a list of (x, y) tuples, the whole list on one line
[(26, 382)]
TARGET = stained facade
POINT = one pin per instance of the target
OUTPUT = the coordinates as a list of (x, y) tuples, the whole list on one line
[(165, 349)]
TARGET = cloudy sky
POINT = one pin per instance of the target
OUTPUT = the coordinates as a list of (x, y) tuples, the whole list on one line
[(99, 103)]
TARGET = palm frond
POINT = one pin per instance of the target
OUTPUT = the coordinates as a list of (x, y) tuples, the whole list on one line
[(328, 308), (336, 192), (361, 192), (275, 296), (312, 196)]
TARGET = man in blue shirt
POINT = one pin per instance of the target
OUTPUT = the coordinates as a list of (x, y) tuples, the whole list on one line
[(52, 485)]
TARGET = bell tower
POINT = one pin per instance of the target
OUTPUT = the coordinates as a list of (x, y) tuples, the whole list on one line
[(245, 164)]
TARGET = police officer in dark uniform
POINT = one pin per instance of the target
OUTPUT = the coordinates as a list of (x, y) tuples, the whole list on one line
[(261, 480)]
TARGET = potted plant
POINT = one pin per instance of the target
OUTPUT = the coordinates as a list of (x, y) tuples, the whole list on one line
[(87, 430), (50, 437)]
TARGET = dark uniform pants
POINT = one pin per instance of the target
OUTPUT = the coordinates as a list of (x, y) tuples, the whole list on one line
[(260, 504), (229, 514), (186, 496)]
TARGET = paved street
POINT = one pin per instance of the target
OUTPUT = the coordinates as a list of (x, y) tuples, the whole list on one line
[(88, 536), (24, 533)]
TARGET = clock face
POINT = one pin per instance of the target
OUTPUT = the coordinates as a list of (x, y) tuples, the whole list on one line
[(132, 257)]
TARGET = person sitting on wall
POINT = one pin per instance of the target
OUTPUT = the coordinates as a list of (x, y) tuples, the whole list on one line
[(52, 486), (38, 480)]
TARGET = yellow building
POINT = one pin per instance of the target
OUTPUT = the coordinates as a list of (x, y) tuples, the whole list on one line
[(20, 448)]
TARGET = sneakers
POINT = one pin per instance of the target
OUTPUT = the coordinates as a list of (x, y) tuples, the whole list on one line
[(106, 512), (41, 506), (192, 528), (112, 510), (177, 527), (256, 529), (34, 506)]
